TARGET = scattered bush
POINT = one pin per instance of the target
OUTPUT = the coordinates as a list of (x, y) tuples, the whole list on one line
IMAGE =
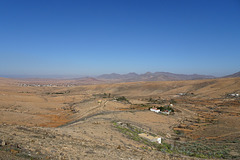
[(165, 108), (122, 99), (172, 101), (198, 149)]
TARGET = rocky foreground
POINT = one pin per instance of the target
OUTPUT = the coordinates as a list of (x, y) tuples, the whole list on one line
[(72, 142)]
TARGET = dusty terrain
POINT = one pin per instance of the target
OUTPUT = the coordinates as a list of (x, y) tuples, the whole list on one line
[(80, 122)]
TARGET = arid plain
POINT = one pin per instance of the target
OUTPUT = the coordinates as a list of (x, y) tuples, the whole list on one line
[(52, 119)]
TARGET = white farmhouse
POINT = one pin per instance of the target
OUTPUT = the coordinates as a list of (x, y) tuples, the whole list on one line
[(155, 110)]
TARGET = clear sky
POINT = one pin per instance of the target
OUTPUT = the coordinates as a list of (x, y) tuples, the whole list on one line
[(93, 37)]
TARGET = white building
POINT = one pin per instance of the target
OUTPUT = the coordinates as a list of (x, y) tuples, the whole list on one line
[(155, 110)]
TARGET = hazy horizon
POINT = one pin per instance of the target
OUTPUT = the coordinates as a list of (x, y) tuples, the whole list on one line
[(90, 38), (18, 76)]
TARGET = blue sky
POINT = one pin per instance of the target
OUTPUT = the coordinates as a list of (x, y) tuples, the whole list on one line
[(93, 37)]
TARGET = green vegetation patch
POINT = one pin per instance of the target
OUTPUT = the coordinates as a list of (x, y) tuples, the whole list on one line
[(164, 108), (106, 95), (122, 99), (200, 149), (133, 133)]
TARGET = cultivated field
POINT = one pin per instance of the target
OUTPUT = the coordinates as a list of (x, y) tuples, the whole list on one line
[(102, 121)]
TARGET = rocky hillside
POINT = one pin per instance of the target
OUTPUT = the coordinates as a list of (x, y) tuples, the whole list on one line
[(233, 75)]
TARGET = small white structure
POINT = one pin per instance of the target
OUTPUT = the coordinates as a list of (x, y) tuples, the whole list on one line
[(155, 110), (182, 94), (234, 95), (166, 112), (151, 138), (159, 140)]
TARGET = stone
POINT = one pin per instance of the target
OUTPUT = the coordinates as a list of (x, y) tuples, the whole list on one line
[(3, 143)]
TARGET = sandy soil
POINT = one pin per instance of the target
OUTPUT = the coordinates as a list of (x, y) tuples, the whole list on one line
[(77, 122)]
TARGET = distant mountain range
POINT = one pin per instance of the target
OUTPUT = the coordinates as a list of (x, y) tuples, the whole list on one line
[(157, 76), (130, 77)]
